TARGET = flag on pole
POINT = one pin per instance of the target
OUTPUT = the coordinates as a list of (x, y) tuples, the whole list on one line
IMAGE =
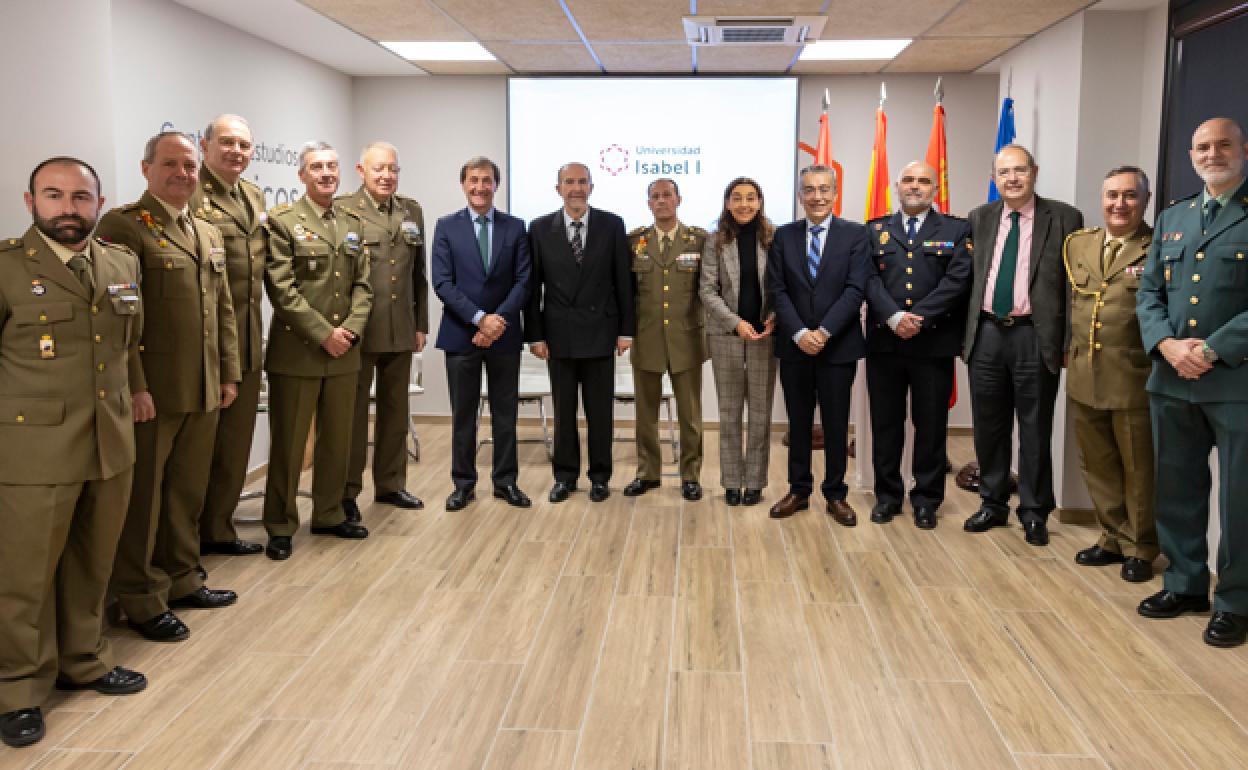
[(879, 202), (1005, 135), (938, 158), (823, 153)]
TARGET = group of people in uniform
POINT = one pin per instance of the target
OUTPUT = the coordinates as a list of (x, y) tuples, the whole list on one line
[(132, 348)]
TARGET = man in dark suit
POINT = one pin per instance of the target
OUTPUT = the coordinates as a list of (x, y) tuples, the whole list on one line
[(480, 272), (1015, 340), (817, 270), (579, 313), (917, 298)]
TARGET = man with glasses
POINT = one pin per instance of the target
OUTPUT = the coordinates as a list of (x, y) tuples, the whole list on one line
[(1015, 341)]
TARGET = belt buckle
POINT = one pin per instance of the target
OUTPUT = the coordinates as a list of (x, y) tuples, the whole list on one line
[(1007, 322)]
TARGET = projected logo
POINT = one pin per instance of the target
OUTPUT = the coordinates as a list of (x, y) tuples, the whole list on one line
[(613, 159)]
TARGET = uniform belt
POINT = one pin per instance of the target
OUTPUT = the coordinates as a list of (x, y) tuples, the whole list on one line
[(1008, 321)]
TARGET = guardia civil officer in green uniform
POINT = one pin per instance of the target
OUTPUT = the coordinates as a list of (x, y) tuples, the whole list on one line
[(1193, 309), (392, 234), (189, 371), (1105, 375), (235, 206), (671, 337), (70, 318), (317, 279)]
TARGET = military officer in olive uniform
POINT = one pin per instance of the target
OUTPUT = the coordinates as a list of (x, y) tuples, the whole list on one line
[(1105, 374), (235, 206), (189, 371), (317, 280), (917, 300), (667, 262), (1193, 310), (392, 232), (70, 318)]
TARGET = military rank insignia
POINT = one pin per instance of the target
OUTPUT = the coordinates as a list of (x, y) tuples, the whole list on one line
[(352, 242), (37, 288), (411, 232), (883, 238)]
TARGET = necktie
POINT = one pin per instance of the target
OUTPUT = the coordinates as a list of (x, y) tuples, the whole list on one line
[(331, 224), (1211, 213), (483, 240), (240, 200), (1110, 253), (812, 255), (578, 245), (665, 245), (911, 225), (184, 224), (1003, 293), (82, 269)]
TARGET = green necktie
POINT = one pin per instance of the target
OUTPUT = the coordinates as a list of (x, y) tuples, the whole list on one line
[(1211, 213), (483, 240), (82, 271), (1003, 294)]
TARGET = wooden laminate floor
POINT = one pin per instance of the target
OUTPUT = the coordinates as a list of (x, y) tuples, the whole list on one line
[(658, 634)]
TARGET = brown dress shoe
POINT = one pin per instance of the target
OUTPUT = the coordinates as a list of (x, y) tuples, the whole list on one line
[(789, 505), (840, 511)]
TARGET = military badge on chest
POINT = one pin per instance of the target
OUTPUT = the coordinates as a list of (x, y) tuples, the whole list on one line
[(352, 243), (411, 233)]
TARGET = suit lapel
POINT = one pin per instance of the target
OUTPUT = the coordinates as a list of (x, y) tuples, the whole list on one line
[(97, 265), (1133, 250), (48, 266), (985, 250), (897, 227), (316, 224), (468, 230), (363, 206), (166, 228), (1039, 234), (824, 257), (1235, 211), (496, 240)]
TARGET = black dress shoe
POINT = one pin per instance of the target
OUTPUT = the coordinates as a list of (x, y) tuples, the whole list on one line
[(400, 499), (231, 548), (984, 520), (752, 497), (1226, 629), (1036, 532), (279, 548), (165, 627), (1168, 604), (513, 495), (22, 727), (691, 490), (351, 510), (345, 530), (882, 513), (560, 491), (1097, 556), (119, 681), (732, 496), (598, 492), (205, 598), (925, 517), (459, 499), (1137, 570), (638, 487)]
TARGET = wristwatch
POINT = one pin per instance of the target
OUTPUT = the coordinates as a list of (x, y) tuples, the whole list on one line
[(1211, 356)]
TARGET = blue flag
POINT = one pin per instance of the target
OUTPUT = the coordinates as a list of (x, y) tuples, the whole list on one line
[(1005, 135)]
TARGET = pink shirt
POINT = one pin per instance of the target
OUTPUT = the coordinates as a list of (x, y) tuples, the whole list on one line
[(1022, 270)]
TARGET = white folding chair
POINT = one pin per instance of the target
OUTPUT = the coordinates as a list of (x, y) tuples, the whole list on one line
[(534, 389), (415, 387)]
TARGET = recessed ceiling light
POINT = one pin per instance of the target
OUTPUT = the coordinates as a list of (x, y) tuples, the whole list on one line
[(853, 50), (417, 51)]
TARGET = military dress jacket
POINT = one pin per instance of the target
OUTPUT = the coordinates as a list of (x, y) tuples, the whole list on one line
[(316, 282), (671, 324), (246, 245), (1195, 285), (65, 363), (1107, 366), (394, 245), (930, 277), (189, 345)]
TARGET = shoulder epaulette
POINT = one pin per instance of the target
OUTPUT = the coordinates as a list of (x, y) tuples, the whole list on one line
[(1092, 229), (10, 244), (281, 208), (106, 243), (248, 183), (638, 231), (129, 207), (698, 230), (1184, 199)]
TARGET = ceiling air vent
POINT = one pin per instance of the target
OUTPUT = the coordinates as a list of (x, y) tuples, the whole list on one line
[(752, 30)]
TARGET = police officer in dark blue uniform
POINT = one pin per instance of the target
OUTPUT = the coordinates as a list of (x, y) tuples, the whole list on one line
[(916, 299)]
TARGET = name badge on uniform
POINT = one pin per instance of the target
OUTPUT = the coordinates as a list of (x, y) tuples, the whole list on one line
[(352, 242), (688, 260), (411, 232), (312, 265), (47, 346)]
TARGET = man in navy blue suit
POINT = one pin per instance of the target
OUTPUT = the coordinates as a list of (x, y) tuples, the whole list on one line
[(480, 271), (817, 271)]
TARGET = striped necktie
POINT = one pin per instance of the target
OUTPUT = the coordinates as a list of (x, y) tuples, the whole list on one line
[(812, 254)]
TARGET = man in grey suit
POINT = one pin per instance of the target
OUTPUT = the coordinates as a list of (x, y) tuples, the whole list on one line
[(1016, 337)]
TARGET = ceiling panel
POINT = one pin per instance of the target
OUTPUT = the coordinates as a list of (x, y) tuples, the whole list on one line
[(392, 19), (1004, 18), (645, 20), (645, 57), (742, 58), (951, 54), (544, 57), (755, 7), (464, 67), (510, 20), (858, 20), (837, 67)]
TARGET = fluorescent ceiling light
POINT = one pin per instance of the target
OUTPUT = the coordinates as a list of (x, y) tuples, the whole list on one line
[(852, 50), (413, 51)]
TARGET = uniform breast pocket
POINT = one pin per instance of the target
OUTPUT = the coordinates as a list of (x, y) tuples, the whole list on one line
[(43, 329), (168, 274), (1235, 265), (1080, 274), (1172, 269), (126, 307), (311, 258), (643, 264)]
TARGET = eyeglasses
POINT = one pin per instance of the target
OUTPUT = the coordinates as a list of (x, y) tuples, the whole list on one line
[(821, 189), (1022, 172)]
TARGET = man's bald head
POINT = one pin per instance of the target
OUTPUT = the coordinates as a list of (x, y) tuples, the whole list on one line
[(916, 187), (1218, 151)]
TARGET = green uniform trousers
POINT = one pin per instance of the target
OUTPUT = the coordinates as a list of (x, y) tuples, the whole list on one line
[(159, 547), (293, 401), (1184, 433), (687, 389), (55, 558), (1116, 451), (230, 454), (394, 376)]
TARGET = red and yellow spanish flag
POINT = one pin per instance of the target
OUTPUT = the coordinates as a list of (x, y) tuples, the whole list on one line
[(938, 158), (879, 202)]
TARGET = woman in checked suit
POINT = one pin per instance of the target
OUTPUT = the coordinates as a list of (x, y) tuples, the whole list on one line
[(740, 322)]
